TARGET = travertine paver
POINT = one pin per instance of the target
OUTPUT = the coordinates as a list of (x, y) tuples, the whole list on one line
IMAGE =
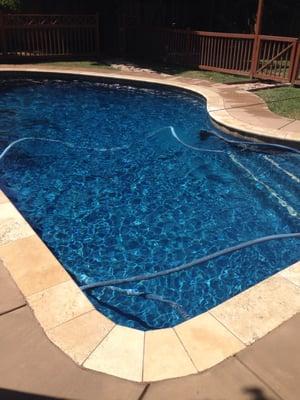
[(32, 265), (11, 229), (165, 356), (271, 363), (81, 335), (59, 304), (120, 354), (30, 363), (12, 225), (292, 273), (3, 198), (207, 341), (256, 311)]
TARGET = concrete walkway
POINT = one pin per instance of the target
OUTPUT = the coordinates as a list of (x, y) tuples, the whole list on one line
[(31, 367)]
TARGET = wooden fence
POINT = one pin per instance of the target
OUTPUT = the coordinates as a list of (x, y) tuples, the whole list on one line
[(77, 36), (48, 36), (260, 56)]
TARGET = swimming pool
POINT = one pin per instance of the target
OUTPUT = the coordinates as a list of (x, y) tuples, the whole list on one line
[(121, 196)]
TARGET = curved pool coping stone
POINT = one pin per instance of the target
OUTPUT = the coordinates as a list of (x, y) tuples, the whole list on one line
[(93, 341), (228, 106)]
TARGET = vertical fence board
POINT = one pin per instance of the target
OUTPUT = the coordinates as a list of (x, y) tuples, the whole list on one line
[(48, 36)]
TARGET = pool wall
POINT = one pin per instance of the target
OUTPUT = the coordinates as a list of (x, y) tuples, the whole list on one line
[(94, 342)]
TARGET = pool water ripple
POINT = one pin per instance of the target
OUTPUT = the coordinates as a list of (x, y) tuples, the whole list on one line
[(148, 203)]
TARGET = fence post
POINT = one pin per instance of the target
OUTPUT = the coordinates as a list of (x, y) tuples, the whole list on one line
[(295, 67), (2, 34), (255, 56), (257, 31)]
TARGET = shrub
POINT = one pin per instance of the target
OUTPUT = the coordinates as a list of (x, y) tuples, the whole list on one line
[(10, 5)]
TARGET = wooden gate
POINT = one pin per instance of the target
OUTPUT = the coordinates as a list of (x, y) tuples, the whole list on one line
[(296, 71), (274, 58), (259, 56), (48, 36)]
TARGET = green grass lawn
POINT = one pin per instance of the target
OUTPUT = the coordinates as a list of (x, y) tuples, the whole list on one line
[(213, 76), (283, 101), (179, 71)]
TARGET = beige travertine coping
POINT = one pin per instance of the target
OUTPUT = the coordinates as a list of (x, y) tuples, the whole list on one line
[(32, 265), (80, 336), (59, 304), (89, 338), (218, 109), (120, 354), (13, 225), (3, 198), (207, 341), (165, 357), (292, 273), (258, 310)]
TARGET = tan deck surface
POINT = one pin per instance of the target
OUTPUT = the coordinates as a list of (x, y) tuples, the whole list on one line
[(31, 367)]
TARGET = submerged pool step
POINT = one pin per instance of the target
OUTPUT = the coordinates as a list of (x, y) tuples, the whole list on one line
[(286, 197), (275, 164)]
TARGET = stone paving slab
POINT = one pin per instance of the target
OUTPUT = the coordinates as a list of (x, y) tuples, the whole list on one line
[(11, 297), (229, 380), (276, 359), (30, 363)]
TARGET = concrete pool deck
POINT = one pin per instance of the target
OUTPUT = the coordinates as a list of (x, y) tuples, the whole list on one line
[(31, 367), (93, 341)]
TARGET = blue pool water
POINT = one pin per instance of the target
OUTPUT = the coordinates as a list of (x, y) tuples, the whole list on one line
[(124, 197)]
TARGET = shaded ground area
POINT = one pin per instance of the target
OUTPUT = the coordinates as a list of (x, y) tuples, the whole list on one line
[(31, 367)]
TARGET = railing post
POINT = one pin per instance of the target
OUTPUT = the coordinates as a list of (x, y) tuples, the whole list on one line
[(256, 44), (255, 56), (295, 61)]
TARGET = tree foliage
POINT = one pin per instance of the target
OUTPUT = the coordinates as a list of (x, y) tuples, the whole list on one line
[(10, 5)]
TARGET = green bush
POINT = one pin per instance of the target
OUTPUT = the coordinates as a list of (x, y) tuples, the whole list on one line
[(10, 5)]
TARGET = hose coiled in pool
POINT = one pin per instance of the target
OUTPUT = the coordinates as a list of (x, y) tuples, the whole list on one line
[(199, 261), (151, 296), (174, 134), (68, 144), (249, 143), (241, 143)]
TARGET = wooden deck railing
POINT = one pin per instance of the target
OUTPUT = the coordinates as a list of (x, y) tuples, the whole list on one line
[(261, 56), (48, 36), (69, 36)]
